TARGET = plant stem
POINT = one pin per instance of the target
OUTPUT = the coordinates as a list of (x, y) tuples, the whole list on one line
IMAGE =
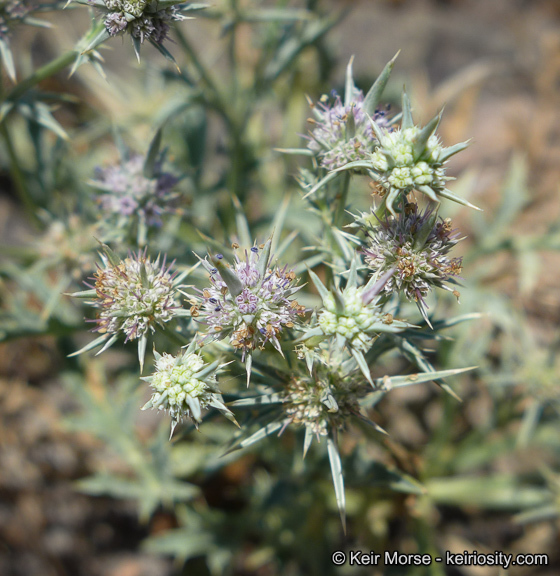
[(44, 72), (342, 197), (17, 176), (215, 98)]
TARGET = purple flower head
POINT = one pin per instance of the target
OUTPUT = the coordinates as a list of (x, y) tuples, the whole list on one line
[(249, 303), (342, 133), (416, 246), (125, 191)]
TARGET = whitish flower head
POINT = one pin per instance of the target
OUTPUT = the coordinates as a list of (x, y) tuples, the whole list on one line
[(324, 401), (352, 316), (249, 302), (347, 315), (184, 386), (125, 191), (133, 296), (142, 19), (416, 247), (342, 133), (412, 158), (402, 168)]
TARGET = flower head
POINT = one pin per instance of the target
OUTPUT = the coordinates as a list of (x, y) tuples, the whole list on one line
[(125, 190), (412, 158), (353, 315), (133, 296), (248, 303), (184, 386), (142, 19), (415, 246), (323, 401), (342, 132)]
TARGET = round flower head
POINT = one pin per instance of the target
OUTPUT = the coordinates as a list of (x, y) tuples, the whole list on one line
[(342, 132), (184, 386), (127, 195), (142, 19), (353, 316), (249, 302), (133, 296), (415, 246), (412, 158), (323, 401)]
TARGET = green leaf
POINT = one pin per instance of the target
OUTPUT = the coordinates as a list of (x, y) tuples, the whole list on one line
[(388, 383), (258, 400), (93, 344), (153, 153), (407, 121), (421, 139), (7, 59), (338, 479), (373, 97)]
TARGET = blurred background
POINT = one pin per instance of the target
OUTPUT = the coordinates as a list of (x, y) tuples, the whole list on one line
[(489, 464)]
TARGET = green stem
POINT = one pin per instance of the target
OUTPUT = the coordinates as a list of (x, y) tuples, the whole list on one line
[(215, 97), (44, 72), (342, 197), (18, 177)]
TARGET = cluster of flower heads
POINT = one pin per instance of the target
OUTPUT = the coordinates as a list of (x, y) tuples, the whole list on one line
[(125, 191), (248, 303), (184, 385), (342, 132), (142, 19), (415, 246)]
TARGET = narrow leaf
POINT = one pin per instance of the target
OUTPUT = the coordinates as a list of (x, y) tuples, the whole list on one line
[(373, 97), (338, 479)]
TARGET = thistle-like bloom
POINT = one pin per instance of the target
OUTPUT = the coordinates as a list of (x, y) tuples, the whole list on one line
[(248, 303), (141, 19), (415, 246), (133, 297), (128, 193), (184, 386), (412, 158), (323, 401), (342, 132), (353, 315)]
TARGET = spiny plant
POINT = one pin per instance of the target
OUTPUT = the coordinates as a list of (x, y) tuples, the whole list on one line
[(322, 378)]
